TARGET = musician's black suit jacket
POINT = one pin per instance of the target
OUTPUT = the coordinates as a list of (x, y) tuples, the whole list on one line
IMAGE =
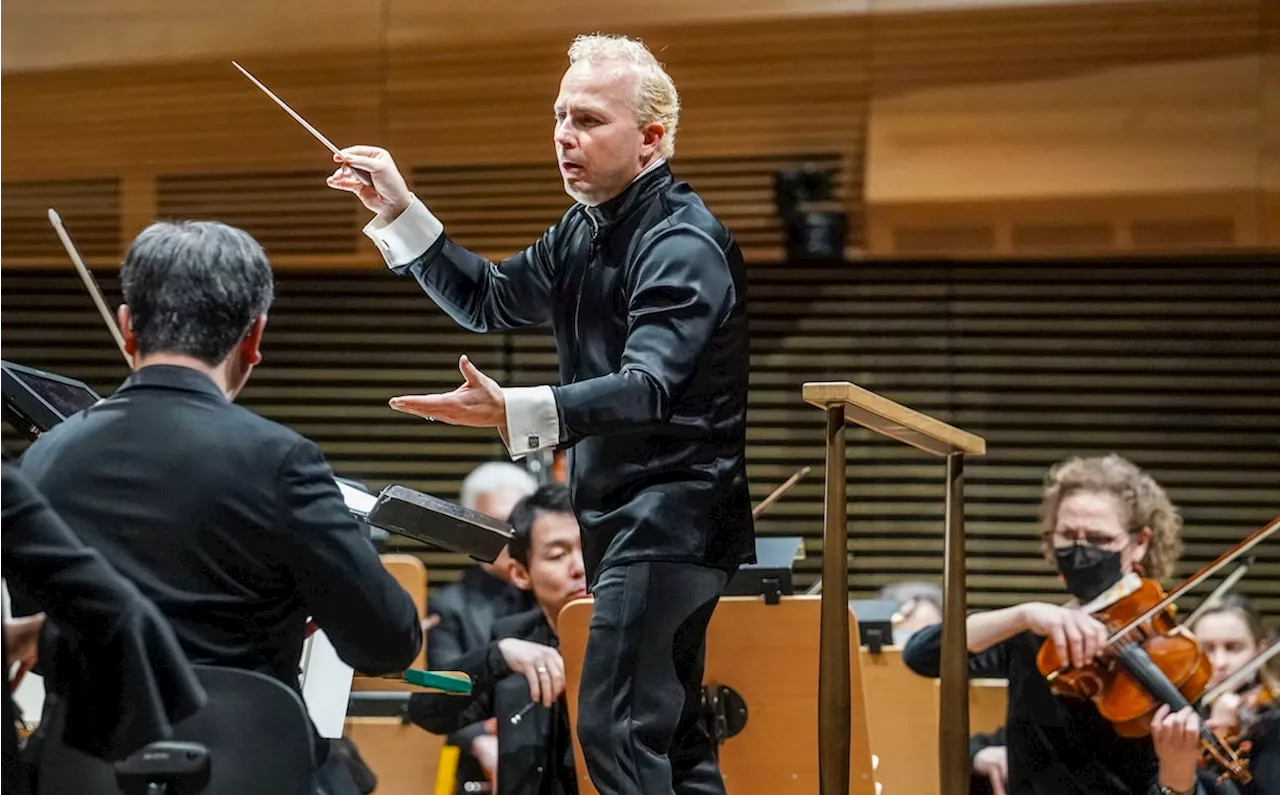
[(230, 523), (468, 610), (535, 755)]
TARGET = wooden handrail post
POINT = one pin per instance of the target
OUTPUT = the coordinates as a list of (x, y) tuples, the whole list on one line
[(954, 764), (833, 658), (844, 403)]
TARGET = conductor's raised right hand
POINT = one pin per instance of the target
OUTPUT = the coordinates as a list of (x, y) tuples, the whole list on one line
[(388, 196)]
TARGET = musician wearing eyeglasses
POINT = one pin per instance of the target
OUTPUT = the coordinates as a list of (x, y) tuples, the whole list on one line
[(1105, 522)]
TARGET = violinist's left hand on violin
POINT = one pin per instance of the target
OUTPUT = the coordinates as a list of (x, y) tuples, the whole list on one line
[(478, 403), (1176, 737)]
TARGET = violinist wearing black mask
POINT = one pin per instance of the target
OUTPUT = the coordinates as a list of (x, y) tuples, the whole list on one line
[(1102, 520)]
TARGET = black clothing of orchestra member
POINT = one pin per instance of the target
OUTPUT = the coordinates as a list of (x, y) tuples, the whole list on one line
[(106, 653), (978, 741), (646, 297), (468, 610), (535, 756), (1264, 756), (1056, 746), (231, 524)]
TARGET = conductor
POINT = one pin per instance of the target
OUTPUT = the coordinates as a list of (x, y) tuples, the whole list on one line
[(645, 292)]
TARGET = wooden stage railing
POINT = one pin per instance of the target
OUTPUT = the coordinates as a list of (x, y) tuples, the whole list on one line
[(844, 403)]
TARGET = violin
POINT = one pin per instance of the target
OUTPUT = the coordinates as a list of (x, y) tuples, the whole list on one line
[(1149, 660), (1156, 661)]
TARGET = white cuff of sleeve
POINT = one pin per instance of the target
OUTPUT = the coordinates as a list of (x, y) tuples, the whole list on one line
[(408, 236), (532, 420)]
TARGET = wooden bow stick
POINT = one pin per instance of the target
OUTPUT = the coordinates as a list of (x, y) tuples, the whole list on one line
[(89, 283), (778, 493)]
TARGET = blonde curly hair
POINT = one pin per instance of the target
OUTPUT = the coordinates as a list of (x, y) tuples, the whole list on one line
[(1145, 503), (656, 97)]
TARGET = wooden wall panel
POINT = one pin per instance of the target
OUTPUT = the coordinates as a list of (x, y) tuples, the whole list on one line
[(201, 141), (1018, 41), (1164, 156), (90, 206), (61, 34), (1175, 363), (991, 130), (1269, 124)]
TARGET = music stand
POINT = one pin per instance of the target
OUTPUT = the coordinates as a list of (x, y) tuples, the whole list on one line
[(36, 400), (431, 520)]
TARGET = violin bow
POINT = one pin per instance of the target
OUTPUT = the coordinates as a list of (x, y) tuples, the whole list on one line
[(1226, 585), (779, 492), (1255, 538), (89, 283)]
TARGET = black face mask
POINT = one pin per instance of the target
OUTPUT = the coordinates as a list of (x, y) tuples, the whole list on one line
[(1087, 570)]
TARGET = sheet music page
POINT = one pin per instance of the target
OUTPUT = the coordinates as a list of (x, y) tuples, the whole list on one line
[(357, 500), (326, 685)]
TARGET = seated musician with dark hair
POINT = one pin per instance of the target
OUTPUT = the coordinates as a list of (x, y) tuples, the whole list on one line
[(1231, 634), (231, 524), (1103, 519), (521, 666)]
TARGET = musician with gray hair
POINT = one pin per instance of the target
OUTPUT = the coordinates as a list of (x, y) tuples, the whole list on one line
[(645, 290), (231, 524)]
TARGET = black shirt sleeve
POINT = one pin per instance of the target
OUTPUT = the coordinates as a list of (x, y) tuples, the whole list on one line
[(369, 618), (980, 740), (680, 291), (923, 654), (482, 296)]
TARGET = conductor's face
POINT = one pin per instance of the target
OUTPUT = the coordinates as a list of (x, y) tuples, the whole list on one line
[(601, 146)]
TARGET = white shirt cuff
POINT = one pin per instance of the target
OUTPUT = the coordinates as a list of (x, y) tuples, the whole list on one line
[(408, 236), (532, 420)]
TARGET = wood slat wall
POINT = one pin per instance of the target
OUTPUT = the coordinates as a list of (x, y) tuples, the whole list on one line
[(1174, 363), (971, 131)]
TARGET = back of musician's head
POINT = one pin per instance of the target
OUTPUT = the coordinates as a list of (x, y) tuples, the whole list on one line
[(194, 288)]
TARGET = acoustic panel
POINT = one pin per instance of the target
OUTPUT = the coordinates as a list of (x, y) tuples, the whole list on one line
[(1174, 363)]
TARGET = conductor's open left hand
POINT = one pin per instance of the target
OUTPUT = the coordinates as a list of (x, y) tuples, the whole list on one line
[(478, 403)]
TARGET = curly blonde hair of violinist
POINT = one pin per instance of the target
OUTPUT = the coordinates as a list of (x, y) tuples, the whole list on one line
[(1144, 500), (656, 97)]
